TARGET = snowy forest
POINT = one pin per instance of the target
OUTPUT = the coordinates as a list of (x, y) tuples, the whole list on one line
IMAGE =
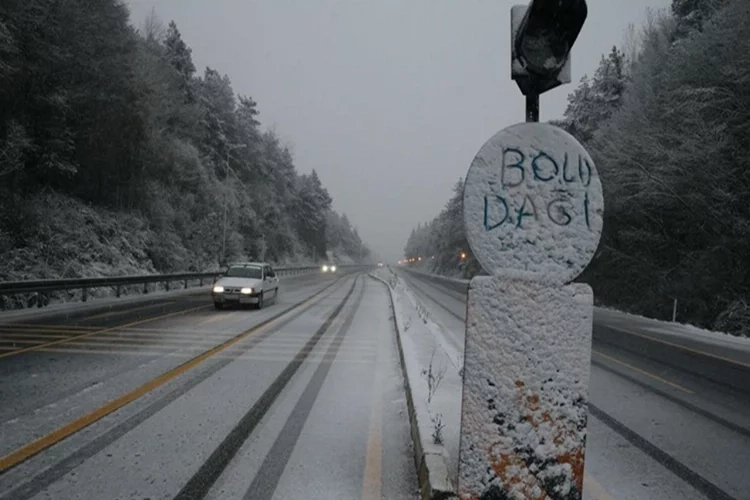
[(666, 118), (118, 156)]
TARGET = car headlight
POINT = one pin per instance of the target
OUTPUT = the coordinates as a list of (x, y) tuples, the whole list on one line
[(218, 289), (333, 269), (325, 269), (246, 291)]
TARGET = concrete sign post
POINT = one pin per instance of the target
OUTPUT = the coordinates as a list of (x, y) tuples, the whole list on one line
[(533, 211)]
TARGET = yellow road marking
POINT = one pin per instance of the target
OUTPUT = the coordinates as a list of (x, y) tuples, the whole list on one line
[(123, 311), (594, 489), (644, 372), (30, 449), (373, 473), (83, 335), (684, 348)]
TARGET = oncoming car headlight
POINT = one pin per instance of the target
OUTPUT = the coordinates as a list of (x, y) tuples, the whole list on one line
[(333, 269), (246, 291), (218, 289), (325, 269)]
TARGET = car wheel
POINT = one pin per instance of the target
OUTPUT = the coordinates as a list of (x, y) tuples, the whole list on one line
[(218, 306), (260, 301)]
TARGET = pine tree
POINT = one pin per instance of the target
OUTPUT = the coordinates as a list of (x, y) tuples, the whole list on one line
[(594, 101), (180, 58), (692, 14)]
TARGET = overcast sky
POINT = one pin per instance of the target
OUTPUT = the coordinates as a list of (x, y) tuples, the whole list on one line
[(388, 100)]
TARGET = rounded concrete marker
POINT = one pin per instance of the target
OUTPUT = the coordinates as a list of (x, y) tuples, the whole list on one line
[(533, 205)]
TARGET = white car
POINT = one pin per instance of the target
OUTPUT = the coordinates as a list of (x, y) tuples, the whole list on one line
[(246, 283), (328, 268)]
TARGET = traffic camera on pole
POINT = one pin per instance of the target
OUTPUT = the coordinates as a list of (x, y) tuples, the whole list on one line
[(542, 36)]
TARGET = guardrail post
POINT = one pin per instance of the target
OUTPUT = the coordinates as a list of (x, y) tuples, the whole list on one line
[(145, 287), (201, 281), (117, 291), (166, 285), (186, 283), (84, 294), (533, 212)]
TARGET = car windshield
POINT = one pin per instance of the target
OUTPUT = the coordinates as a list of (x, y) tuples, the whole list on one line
[(253, 272)]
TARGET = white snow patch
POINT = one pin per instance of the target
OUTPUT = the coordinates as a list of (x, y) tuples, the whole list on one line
[(440, 336), (424, 344), (607, 315)]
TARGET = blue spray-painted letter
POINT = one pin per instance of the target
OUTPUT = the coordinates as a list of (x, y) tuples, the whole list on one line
[(523, 213), (502, 201), (537, 169), (518, 166)]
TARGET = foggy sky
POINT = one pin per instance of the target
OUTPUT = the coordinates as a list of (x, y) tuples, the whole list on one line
[(388, 101)]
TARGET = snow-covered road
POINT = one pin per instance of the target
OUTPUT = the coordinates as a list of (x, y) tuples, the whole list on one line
[(171, 399), (655, 431)]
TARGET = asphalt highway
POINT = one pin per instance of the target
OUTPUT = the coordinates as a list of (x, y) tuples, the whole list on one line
[(658, 429), (166, 398)]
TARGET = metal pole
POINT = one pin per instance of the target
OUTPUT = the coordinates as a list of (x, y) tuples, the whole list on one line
[(674, 311), (532, 108)]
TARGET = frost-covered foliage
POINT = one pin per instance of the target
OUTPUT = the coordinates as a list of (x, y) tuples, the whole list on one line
[(343, 241), (668, 127), (104, 122), (441, 242), (66, 238)]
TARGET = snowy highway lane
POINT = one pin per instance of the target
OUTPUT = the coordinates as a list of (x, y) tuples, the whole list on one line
[(171, 399), (655, 431)]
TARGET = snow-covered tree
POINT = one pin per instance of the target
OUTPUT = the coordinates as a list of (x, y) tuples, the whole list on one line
[(596, 99), (123, 127)]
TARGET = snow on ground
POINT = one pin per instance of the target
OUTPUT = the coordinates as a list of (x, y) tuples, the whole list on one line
[(609, 315), (433, 366)]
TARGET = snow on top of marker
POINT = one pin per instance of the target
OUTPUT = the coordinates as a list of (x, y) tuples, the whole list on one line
[(533, 204)]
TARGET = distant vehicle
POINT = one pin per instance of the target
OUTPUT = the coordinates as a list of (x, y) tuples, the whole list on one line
[(246, 283), (328, 268), (380, 264)]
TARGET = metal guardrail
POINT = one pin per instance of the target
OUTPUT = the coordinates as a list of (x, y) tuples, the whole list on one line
[(117, 282), (727, 372), (455, 284)]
